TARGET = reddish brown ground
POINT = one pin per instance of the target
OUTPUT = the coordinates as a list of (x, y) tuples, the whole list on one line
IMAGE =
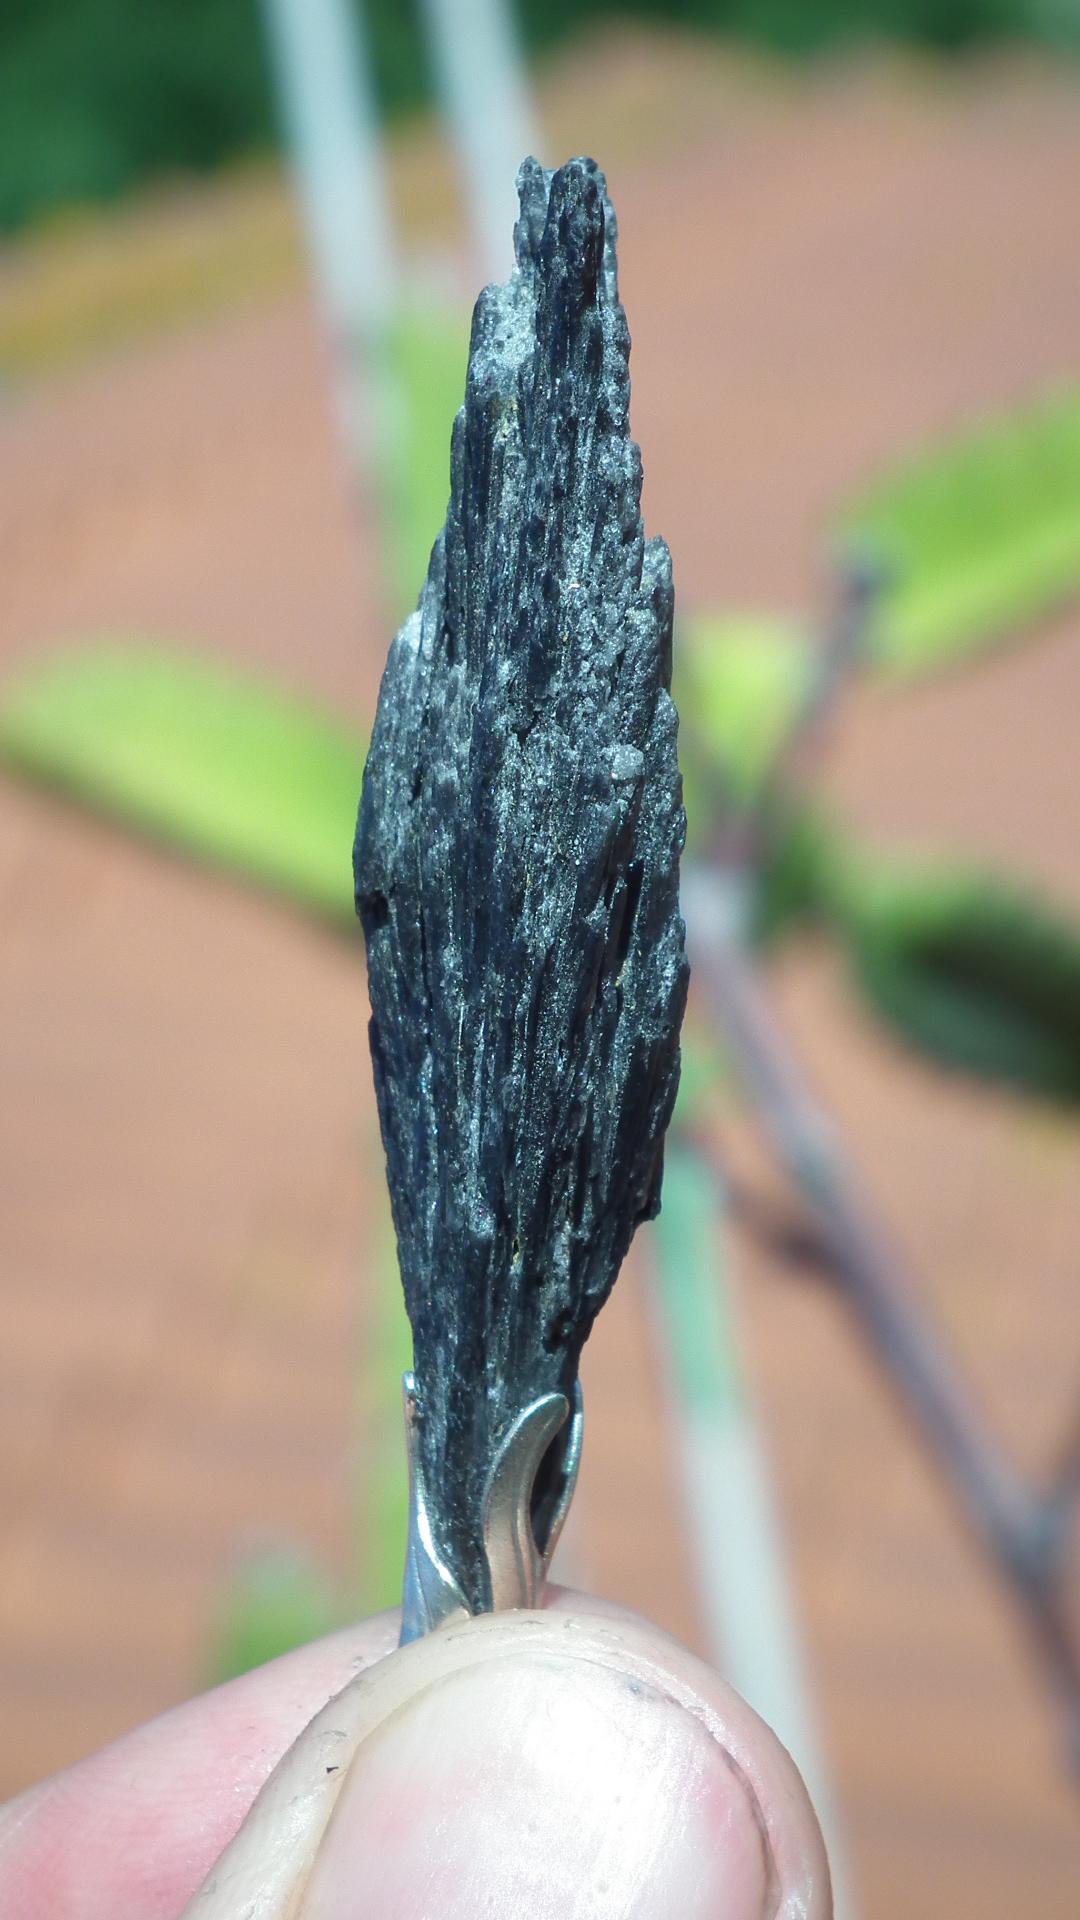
[(188, 1164)]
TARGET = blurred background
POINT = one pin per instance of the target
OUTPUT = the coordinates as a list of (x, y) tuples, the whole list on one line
[(833, 1423)]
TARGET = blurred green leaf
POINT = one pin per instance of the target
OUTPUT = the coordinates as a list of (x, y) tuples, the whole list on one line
[(430, 347), (199, 755), (973, 971), (739, 681), (803, 862), (276, 1601), (980, 535)]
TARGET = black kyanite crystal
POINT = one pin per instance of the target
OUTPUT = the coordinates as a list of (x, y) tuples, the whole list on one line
[(517, 864)]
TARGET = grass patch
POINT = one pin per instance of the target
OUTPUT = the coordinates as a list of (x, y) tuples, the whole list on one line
[(91, 283)]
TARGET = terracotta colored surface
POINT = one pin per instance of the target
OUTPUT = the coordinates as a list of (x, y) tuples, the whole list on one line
[(188, 1170)]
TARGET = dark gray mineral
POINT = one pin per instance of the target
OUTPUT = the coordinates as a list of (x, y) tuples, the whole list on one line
[(517, 864)]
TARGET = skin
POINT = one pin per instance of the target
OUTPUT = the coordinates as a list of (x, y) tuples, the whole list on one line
[(573, 1763)]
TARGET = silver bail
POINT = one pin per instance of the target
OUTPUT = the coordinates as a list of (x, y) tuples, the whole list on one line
[(517, 1562)]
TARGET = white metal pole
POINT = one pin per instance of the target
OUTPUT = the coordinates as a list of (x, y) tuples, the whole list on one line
[(328, 99), (734, 1529), (488, 104)]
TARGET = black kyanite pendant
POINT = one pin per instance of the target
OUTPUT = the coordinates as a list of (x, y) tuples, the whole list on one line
[(517, 861)]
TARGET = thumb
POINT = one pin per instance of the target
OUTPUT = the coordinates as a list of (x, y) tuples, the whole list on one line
[(578, 1765)]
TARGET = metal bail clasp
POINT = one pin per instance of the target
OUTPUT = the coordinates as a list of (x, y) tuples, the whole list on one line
[(519, 1538)]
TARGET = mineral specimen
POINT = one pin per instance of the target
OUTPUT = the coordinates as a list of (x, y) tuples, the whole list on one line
[(517, 866)]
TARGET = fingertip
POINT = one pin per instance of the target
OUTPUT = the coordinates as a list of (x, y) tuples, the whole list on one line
[(545, 1785), (135, 1827), (567, 1763)]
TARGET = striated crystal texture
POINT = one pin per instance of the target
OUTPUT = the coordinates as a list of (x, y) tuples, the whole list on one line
[(517, 864)]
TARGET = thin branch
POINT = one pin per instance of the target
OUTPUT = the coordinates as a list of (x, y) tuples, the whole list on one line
[(1023, 1530), (840, 651)]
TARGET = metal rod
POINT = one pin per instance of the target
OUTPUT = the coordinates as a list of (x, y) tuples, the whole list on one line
[(732, 1522), (488, 103), (328, 101)]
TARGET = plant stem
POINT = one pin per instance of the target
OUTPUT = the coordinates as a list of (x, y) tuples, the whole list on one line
[(1024, 1531)]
